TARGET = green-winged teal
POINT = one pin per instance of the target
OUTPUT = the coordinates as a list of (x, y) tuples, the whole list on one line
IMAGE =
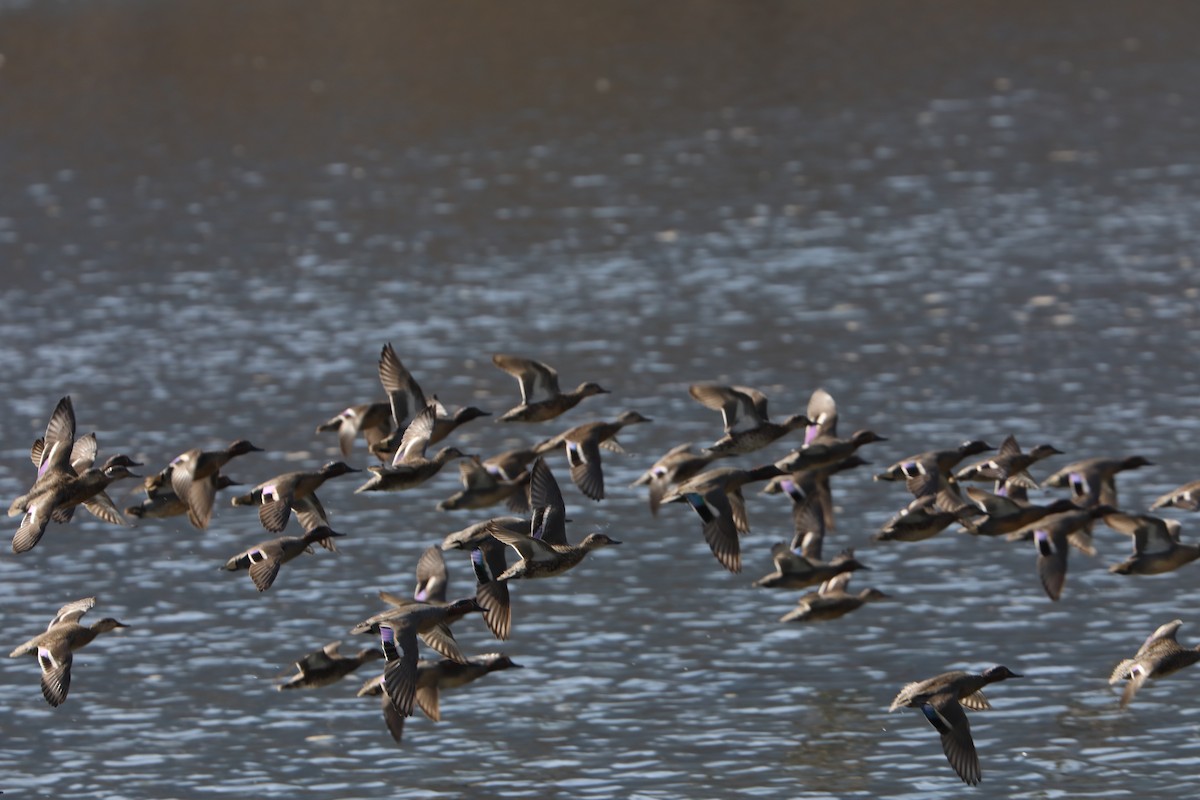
[(492, 595), (296, 491), (161, 501), (410, 467), (264, 559), (432, 678), (431, 620), (82, 457), (677, 465), (488, 561), (582, 446), (376, 421), (541, 399), (831, 601), (716, 497), (1051, 535), (543, 547), (925, 517), (1002, 515), (1156, 545), (744, 410), (373, 420), (54, 647), (1009, 467), (1186, 497), (826, 450), (444, 423), (398, 630), (542, 559), (194, 477), (1092, 481), (793, 570), (942, 699), (816, 482), (506, 466), (476, 532), (483, 488), (1159, 656), (930, 472), (325, 666), (60, 459), (56, 494)]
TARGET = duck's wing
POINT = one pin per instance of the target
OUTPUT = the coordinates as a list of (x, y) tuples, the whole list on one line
[(1051, 561), (265, 560), (72, 611), (432, 577), (102, 508), (399, 682), (275, 506), (311, 515), (837, 583), (1150, 534), (442, 640), (716, 514), (32, 527), (546, 501), (1186, 497), (416, 436), (488, 561), (586, 470), (538, 381), (428, 701), (1162, 633), (55, 662), (788, 560), (822, 414), (473, 475), (527, 547), (83, 453), (739, 409), (200, 496), (59, 438), (319, 659), (403, 392), (993, 505), (976, 701), (948, 719)]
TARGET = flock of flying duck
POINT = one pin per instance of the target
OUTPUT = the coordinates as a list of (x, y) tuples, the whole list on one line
[(400, 431)]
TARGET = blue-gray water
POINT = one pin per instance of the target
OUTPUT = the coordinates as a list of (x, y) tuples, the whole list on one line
[(963, 220)]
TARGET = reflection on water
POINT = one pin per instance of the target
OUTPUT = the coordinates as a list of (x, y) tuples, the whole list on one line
[(962, 222)]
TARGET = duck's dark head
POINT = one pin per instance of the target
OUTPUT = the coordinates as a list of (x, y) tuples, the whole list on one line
[(121, 460), (590, 388), (242, 446), (468, 413), (497, 661), (1133, 462), (107, 624), (594, 540), (866, 437), (999, 673), (335, 468)]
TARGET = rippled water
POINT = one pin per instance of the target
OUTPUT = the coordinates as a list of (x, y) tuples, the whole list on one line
[(963, 222)]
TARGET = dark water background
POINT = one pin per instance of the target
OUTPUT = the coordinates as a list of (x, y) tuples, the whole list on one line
[(962, 219)]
